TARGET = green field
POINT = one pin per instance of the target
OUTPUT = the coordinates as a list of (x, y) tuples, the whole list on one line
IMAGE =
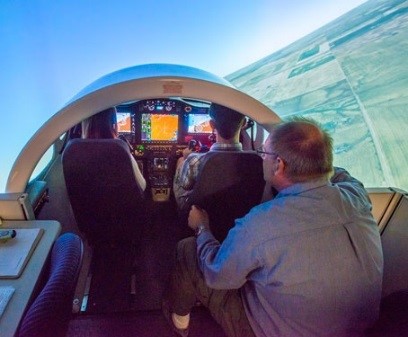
[(352, 76)]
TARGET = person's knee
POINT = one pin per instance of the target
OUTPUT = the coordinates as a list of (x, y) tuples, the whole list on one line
[(186, 247), (186, 255)]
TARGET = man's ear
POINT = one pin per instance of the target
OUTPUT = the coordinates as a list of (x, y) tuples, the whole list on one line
[(115, 129), (212, 124), (280, 166)]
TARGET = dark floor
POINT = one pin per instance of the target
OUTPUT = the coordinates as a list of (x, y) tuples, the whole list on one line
[(140, 324), (149, 262), (113, 309)]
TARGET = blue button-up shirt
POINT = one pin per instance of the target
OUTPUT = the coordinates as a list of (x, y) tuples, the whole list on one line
[(309, 262)]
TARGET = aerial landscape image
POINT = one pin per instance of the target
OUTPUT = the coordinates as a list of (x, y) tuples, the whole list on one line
[(350, 75)]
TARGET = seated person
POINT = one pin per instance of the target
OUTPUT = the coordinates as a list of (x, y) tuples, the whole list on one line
[(226, 124), (307, 263), (103, 125)]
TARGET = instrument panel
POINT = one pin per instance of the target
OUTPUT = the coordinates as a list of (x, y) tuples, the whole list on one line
[(158, 130), (164, 121)]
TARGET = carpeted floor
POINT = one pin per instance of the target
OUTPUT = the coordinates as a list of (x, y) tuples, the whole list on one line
[(147, 265), (114, 309), (111, 269), (140, 324)]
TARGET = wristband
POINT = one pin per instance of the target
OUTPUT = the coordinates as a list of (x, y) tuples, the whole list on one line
[(201, 228)]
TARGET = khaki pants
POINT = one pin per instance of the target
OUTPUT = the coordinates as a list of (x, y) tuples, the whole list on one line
[(187, 285)]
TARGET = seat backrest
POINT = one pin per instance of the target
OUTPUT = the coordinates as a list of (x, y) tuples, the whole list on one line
[(384, 200), (228, 186), (394, 240), (393, 226), (106, 199), (50, 312)]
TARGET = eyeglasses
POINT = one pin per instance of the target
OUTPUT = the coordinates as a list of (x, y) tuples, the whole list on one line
[(261, 151)]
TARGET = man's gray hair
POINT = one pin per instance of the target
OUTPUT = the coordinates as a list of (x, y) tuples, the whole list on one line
[(305, 148)]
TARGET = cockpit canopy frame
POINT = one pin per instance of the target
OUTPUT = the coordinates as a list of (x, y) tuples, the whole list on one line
[(130, 84)]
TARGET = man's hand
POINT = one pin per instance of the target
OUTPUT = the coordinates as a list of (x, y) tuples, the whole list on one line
[(186, 152), (197, 217)]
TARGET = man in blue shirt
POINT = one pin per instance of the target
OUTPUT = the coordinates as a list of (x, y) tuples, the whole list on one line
[(306, 263)]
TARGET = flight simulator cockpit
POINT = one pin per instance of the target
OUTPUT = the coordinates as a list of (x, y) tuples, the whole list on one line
[(158, 130)]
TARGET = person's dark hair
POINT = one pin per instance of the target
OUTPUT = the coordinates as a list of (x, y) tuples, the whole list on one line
[(305, 148), (101, 125), (227, 121)]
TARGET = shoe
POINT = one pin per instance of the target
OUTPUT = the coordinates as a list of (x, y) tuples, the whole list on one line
[(167, 314)]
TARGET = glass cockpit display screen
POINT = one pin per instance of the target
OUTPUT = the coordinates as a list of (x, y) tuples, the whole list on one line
[(159, 127), (124, 122), (198, 123)]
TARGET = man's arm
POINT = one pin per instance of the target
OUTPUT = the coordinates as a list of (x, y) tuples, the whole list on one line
[(138, 174), (184, 178), (224, 266), (186, 171), (345, 181)]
